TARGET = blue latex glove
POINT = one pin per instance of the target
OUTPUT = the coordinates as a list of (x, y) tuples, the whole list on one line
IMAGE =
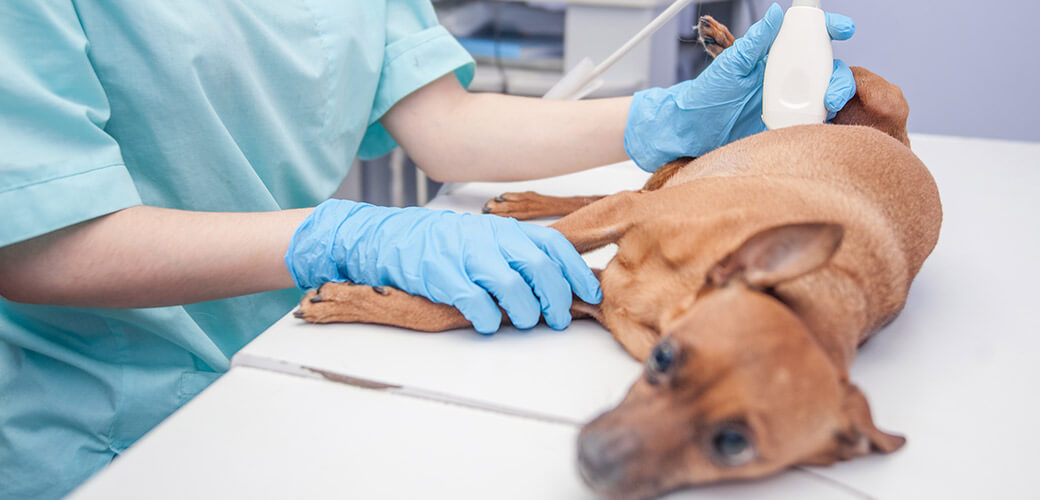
[(724, 103), (455, 259)]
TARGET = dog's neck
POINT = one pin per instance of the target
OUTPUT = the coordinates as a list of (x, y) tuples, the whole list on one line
[(836, 333)]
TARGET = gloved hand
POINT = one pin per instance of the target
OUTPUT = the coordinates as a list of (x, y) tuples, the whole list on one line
[(451, 258), (724, 103)]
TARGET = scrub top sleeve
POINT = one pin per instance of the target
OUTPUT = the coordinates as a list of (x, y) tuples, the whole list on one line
[(58, 166), (418, 51)]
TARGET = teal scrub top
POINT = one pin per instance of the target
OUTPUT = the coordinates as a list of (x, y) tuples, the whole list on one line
[(209, 105)]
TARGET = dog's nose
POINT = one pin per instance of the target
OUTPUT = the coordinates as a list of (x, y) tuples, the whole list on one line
[(603, 456)]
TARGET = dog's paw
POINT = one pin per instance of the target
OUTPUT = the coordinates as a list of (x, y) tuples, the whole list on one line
[(530, 205), (381, 305), (521, 206), (336, 302), (713, 35)]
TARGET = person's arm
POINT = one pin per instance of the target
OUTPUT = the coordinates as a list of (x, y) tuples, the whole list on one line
[(146, 257), (455, 135)]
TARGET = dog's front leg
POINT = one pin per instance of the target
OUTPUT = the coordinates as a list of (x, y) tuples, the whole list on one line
[(602, 222), (353, 303), (530, 205)]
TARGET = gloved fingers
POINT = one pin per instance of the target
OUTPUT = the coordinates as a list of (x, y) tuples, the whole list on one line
[(582, 280), (545, 277), (477, 306), (841, 89), (840, 27), (493, 274), (750, 49)]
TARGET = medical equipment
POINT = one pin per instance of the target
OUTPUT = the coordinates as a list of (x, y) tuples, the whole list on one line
[(799, 69), (724, 103), (584, 78)]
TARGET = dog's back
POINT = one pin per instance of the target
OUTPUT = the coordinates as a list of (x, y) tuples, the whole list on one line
[(860, 162)]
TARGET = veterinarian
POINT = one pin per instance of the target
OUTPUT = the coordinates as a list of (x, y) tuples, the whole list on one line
[(157, 165)]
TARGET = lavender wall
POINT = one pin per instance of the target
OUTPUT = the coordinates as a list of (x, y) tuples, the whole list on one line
[(967, 68)]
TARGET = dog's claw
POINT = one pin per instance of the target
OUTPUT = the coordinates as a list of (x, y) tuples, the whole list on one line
[(317, 298), (500, 199), (298, 313), (381, 290), (485, 210)]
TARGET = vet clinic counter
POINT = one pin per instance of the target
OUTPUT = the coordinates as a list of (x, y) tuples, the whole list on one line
[(364, 411)]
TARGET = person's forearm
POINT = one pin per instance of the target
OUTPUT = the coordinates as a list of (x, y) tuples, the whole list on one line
[(459, 136), (146, 257)]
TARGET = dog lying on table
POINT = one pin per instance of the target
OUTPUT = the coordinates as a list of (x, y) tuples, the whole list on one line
[(745, 280)]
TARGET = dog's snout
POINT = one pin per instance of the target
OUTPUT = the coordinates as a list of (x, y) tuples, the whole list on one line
[(603, 456)]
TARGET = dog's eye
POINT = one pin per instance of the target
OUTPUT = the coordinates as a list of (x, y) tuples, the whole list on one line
[(732, 447), (661, 358)]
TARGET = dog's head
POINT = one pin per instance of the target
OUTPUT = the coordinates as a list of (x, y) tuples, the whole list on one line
[(737, 387)]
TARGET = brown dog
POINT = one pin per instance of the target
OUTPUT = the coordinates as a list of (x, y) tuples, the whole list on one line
[(746, 279)]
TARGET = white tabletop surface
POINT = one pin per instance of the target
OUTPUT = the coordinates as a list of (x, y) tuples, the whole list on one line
[(954, 373), (257, 434)]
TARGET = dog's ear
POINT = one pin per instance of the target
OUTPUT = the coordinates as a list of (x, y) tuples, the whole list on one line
[(779, 254), (861, 436), (857, 436)]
